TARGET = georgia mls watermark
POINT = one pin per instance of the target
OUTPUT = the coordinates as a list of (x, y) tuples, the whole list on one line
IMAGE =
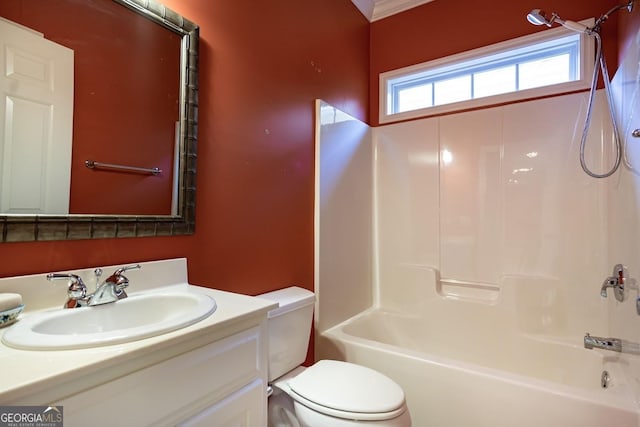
[(31, 416)]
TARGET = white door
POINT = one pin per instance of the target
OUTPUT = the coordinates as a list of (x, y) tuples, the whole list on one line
[(36, 122)]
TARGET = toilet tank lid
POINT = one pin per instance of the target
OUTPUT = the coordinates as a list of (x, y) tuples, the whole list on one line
[(348, 387), (288, 299)]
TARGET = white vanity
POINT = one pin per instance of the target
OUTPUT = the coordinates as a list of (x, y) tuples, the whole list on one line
[(210, 373)]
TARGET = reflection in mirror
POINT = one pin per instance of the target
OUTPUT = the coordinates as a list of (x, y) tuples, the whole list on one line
[(128, 102)]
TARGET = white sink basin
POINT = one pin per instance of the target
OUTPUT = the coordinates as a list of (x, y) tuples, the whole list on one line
[(134, 318)]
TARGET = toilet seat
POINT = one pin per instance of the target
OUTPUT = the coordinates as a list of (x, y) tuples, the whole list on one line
[(349, 391)]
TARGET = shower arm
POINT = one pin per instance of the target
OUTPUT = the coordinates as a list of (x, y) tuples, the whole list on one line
[(605, 16)]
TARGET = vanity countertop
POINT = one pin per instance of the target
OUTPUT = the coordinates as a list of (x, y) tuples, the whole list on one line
[(32, 376)]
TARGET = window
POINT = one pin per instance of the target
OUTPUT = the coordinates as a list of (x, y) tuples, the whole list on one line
[(544, 63)]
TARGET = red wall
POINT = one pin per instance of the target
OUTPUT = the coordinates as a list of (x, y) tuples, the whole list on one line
[(441, 28), (120, 116), (262, 64)]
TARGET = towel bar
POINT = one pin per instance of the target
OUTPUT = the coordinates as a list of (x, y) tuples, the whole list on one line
[(92, 164)]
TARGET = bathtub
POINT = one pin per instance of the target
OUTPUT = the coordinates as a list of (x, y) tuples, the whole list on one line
[(456, 377)]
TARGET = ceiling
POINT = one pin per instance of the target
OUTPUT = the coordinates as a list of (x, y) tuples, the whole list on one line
[(378, 9)]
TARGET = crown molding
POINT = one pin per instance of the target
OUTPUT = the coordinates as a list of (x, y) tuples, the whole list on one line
[(374, 10)]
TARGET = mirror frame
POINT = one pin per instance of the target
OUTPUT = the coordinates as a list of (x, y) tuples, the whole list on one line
[(25, 228)]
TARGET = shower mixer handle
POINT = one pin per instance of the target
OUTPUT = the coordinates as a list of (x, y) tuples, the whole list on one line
[(616, 281)]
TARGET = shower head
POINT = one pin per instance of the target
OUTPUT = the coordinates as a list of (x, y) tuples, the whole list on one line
[(538, 17)]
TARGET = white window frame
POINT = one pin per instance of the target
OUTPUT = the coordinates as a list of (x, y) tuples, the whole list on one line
[(584, 74)]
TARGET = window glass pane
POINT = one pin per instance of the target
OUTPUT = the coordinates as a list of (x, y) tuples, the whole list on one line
[(529, 62), (415, 97), (544, 72), (494, 82), (452, 90)]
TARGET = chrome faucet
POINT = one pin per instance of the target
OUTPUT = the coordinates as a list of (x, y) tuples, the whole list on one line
[(111, 290), (613, 344)]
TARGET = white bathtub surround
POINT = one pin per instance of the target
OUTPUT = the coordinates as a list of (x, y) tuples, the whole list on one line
[(491, 245), (344, 159), (624, 218), (511, 202), (220, 361)]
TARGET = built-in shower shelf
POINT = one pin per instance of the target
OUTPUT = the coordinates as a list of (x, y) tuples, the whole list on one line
[(472, 291)]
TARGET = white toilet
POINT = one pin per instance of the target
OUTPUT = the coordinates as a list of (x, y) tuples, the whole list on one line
[(330, 393)]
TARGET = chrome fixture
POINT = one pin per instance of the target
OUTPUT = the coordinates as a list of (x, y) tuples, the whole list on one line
[(605, 378), (76, 290), (97, 273), (92, 164), (538, 17), (111, 290), (612, 344), (615, 281)]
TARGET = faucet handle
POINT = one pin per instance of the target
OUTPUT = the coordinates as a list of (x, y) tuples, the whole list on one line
[(76, 289), (609, 282), (75, 282), (120, 281), (121, 270), (616, 281)]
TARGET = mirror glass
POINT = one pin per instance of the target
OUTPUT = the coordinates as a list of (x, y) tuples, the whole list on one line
[(98, 119)]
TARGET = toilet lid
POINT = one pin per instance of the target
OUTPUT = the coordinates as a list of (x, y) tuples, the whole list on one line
[(347, 387)]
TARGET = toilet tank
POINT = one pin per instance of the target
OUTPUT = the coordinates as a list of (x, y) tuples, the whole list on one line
[(289, 329)]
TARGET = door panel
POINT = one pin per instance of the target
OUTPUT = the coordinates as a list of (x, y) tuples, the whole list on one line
[(36, 120)]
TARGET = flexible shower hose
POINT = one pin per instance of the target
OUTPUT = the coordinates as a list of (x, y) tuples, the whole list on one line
[(607, 87)]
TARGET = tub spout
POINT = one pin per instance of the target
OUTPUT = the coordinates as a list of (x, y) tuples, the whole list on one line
[(613, 344)]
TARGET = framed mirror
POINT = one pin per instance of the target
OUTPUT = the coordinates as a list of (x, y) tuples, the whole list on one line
[(131, 132)]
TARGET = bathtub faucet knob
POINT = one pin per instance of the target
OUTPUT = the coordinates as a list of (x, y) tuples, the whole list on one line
[(616, 281)]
